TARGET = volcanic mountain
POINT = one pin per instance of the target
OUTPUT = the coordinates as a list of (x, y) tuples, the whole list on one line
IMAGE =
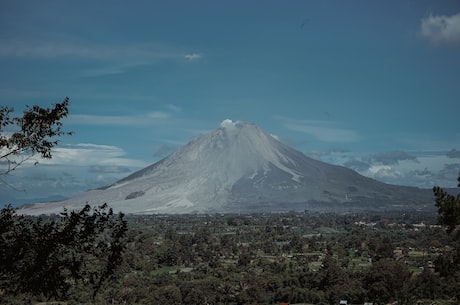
[(240, 168)]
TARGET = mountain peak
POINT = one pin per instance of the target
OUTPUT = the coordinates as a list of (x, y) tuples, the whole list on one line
[(238, 167), (236, 127)]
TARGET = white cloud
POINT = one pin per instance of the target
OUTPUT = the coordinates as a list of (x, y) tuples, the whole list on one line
[(90, 119), (441, 29), (110, 69), (118, 120), (52, 49), (193, 56), (422, 169), (392, 157), (86, 154), (173, 108), (126, 55), (90, 165), (324, 131), (108, 169), (383, 172), (227, 123), (158, 115)]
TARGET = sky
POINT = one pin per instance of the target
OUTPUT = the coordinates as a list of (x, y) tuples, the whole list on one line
[(370, 85)]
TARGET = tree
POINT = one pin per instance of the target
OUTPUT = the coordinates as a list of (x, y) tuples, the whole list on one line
[(427, 284), (34, 133), (335, 282), (48, 256), (387, 281), (448, 207), (449, 215)]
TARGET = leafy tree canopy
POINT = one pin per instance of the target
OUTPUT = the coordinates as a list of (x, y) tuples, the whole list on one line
[(448, 207), (33, 133), (46, 257)]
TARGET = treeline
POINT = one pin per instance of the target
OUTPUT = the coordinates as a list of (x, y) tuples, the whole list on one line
[(268, 259)]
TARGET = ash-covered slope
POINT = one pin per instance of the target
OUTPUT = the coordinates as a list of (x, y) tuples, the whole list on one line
[(240, 168)]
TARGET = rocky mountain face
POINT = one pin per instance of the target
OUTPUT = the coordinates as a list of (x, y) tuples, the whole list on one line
[(240, 168)]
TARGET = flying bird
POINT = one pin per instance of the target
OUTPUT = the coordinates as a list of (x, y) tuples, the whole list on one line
[(305, 22)]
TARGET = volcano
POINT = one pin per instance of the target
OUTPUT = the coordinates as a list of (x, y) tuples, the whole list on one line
[(239, 168)]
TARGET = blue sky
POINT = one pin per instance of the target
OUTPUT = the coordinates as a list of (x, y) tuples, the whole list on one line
[(372, 85)]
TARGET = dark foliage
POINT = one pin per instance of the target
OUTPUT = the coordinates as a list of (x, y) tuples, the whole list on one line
[(293, 258), (33, 133), (448, 207), (47, 256)]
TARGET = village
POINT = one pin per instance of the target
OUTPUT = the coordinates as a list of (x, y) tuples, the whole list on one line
[(295, 258)]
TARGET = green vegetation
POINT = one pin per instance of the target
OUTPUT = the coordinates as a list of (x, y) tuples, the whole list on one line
[(448, 207), (61, 256), (272, 258), (92, 256)]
